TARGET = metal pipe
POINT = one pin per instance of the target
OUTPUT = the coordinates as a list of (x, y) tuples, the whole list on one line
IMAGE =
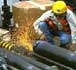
[(38, 64), (55, 53), (17, 61), (23, 62)]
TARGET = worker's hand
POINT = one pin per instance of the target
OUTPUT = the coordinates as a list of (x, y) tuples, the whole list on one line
[(37, 29), (75, 31), (73, 47)]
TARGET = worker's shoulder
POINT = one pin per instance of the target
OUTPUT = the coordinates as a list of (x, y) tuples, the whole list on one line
[(69, 11)]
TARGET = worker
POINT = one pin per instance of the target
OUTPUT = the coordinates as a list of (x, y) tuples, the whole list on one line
[(59, 21)]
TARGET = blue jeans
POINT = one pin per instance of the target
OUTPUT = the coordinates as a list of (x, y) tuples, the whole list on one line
[(49, 34)]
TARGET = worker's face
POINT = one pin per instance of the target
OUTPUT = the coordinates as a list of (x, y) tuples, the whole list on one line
[(61, 15)]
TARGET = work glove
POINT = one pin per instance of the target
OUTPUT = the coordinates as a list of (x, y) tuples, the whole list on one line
[(73, 47), (37, 29)]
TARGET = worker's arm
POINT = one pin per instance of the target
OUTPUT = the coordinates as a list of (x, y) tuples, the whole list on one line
[(42, 18), (71, 17)]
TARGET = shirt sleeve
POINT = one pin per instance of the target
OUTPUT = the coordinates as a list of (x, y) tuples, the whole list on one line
[(72, 22), (42, 18)]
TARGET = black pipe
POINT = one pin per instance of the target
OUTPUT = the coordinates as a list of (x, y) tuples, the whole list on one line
[(23, 51), (55, 53), (17, 61), (23, 62), (38, 64)]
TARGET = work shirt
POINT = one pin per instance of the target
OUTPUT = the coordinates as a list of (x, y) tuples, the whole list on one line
[(70, 17)]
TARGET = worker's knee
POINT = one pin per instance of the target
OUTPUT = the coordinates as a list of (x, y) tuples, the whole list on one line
[(43, 25), (65, 38)]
